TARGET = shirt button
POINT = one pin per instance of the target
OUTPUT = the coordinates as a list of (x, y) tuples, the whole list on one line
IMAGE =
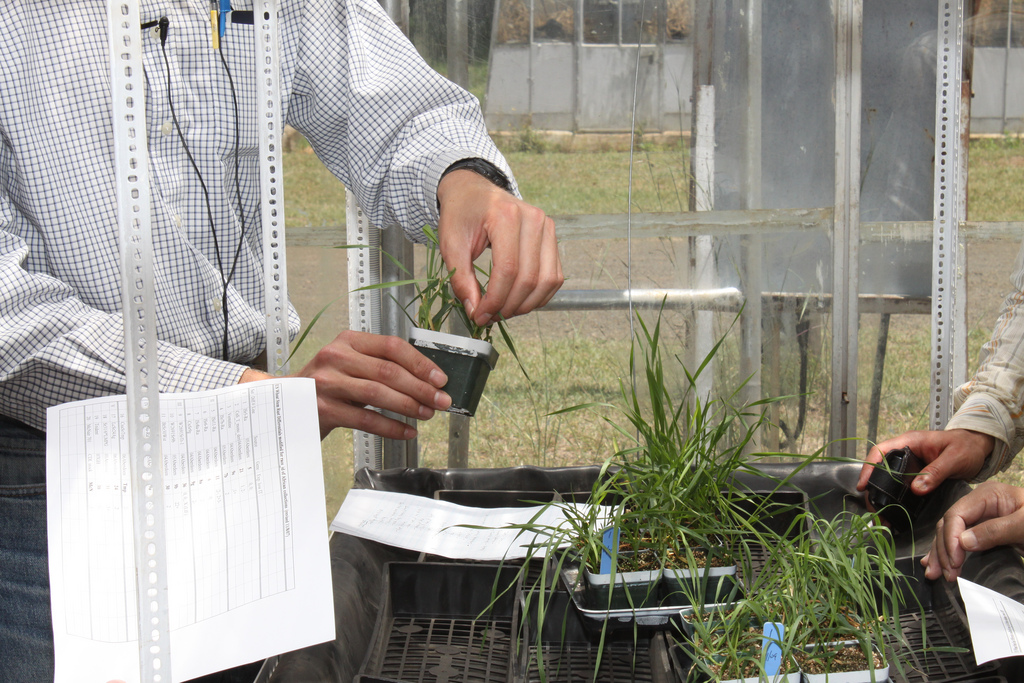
[(167, 128), (216, 304), (177, 220)]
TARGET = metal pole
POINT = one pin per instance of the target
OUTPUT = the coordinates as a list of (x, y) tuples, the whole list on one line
[(363, 309), (751, 248), (275, 272), (949, 61), (458, 425), (846, 227), (395, 322), (138, 309), (458, 43), (704, 198), (1006, 60)]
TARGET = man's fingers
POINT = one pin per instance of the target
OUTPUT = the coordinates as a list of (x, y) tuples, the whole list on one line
[(359, 370), (387, 384), (545, 279), (526, 268), (505, 264), (994, 532), (390, 360), (990, 515), (363, 419), (874, 457), (961, 454), (932, 568)]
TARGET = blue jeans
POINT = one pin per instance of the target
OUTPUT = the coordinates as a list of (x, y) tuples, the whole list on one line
[(26, 632)]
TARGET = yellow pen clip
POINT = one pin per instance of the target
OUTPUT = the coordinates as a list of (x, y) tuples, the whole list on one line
[(214, 24)]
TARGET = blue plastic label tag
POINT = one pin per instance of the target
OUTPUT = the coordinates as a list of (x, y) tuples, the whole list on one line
[(772, 648), (610, 541)]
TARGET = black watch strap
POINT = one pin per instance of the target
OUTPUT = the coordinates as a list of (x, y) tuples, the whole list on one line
[(484, 168)]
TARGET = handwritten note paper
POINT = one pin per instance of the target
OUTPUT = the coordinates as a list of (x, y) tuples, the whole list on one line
[(437, 527), (996, 622)]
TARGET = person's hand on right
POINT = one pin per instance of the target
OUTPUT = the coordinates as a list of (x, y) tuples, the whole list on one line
[(956, 453), (991, 515), (358, 371)]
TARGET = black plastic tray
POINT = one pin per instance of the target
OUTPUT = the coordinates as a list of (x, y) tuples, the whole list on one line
[(571, 652), (357, 568), (444, 622)]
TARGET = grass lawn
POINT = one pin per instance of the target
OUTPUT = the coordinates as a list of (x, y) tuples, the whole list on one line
[(582, 357)]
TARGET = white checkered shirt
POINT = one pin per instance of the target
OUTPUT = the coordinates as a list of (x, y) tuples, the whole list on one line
[(380, 119)]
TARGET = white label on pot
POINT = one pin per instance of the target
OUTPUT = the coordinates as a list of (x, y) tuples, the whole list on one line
[(996, 622)]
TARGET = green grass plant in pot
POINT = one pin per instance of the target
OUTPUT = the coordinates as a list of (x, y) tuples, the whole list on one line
[(843, 583), (677, 484), (466, 360), (743, 644), (833, 589)]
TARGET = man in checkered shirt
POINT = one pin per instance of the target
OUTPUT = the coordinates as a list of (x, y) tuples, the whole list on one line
[(376, 115)]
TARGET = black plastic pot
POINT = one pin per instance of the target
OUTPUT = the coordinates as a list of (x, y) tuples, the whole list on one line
[(707, 585), (466, 361), (631, 589)]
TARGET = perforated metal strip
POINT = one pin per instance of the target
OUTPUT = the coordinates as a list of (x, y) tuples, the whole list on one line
[(139, 309), (271, 185), (364, 308), (946, 238)]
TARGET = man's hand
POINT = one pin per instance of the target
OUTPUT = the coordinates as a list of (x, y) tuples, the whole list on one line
[(526, 270), (957, 453), (989, 516), (358, 370)]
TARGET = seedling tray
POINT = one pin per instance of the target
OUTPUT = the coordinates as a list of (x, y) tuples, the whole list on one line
[(931, 614), (595, 617), (943, 624), (569, 651), (440, 622)]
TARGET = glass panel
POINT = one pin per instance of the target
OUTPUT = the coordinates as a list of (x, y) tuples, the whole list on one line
[(553, 20), (600, 21), (897, 148), (989, 27), (771, 157), (639, 21), (562, 111), (513, 22), (679, 22)]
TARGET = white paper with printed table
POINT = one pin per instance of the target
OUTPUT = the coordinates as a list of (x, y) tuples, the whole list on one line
[(248, 562), (995, 621)]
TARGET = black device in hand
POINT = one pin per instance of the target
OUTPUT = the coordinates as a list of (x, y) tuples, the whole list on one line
[(889, 489)]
